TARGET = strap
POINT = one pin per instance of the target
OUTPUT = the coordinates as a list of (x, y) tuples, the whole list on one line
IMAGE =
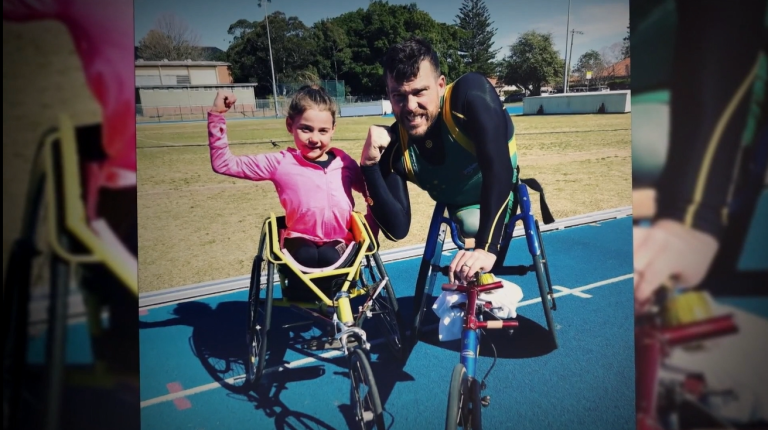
[(536, 186)]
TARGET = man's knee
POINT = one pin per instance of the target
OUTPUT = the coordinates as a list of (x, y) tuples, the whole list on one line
[(467, 220)]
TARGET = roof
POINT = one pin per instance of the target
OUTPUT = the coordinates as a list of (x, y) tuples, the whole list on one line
[(186, 63), (195, 86), (618, 70)]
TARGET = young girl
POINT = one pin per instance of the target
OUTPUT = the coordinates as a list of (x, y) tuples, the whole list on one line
[(313, 180)]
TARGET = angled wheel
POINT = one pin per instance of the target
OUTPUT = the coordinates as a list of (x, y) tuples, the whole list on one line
[(259, 315), (369, 413), (464, 408), (425, 281), (34, 270), (541, 265), (384, 309)]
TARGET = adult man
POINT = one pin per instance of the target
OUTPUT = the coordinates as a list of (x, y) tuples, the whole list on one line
[(712, 134), (454, 141)]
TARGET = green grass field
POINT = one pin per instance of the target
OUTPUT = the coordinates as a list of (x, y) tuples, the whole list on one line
[(197, 226)]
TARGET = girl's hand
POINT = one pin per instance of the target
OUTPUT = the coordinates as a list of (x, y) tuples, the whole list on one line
[(223, 102)]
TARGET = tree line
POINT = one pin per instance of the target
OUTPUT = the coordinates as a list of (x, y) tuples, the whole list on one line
[(350, 47)]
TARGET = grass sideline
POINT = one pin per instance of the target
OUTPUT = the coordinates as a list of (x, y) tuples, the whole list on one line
[(197, 226)]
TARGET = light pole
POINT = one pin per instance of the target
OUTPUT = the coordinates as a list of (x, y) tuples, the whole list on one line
[(568, 69), (565, 62), (271, 63)]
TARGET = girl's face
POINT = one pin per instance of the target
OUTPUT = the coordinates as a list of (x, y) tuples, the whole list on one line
[(312, 133)]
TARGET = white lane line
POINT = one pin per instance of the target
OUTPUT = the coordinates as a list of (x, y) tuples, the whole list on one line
[(570, 291), (214, 385), (579, 289)]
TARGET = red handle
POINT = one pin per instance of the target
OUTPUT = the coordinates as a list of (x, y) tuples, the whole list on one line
[(700, 330)]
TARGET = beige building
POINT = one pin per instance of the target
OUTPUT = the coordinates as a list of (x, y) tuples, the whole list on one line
[(182, 73), (185, 89)]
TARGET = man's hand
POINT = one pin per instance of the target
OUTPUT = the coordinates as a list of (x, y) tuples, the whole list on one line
[(377, 141), (223, 102), (668, 249), (467, 263)]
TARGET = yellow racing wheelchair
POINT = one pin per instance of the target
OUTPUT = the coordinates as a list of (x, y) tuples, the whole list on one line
[(59, 250), (326, 295)]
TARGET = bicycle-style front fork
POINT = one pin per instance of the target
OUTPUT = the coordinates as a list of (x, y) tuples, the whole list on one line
[(470, 348)]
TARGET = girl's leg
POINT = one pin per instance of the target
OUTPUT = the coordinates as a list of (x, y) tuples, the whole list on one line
[(329, 253), (304, 251)]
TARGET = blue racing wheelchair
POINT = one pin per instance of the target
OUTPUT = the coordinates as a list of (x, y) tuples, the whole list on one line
[(465, 400)]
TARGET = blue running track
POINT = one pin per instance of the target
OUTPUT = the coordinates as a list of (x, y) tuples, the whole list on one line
[(192, 354)]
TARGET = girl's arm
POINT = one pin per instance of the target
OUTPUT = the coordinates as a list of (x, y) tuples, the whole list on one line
[(254, 167), (358, 184)]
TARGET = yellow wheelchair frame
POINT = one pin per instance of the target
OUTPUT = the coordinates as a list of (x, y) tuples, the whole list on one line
[(333, 313), (55, 198)]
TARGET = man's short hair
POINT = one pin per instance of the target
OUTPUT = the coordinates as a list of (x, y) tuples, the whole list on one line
[(402, 61)]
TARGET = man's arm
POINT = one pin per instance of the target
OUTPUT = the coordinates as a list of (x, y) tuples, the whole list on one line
[(388, 198), (716, 63), (490, 128)]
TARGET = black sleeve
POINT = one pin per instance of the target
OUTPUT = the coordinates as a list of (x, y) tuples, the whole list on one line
[(715, 66), (490, 128), (388, 191)]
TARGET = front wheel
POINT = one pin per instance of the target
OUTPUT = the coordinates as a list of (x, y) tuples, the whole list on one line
[(368, 410), (258, 320), (464, 408), (541, 265)]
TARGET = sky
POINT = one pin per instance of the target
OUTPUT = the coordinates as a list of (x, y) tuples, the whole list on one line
[(603, 22)]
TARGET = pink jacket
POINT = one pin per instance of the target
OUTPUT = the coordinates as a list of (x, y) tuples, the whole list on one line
[(102, 35), (317, 202)]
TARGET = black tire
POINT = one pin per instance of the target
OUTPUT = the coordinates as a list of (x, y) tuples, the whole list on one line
[(459, 398), (545, 264), (476, 413), (360, 374), (541, 278), (386, 311), (420, 297), (259, 317), (17, 296)]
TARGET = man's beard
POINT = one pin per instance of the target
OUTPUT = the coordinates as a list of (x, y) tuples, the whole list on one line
[(429, 118)]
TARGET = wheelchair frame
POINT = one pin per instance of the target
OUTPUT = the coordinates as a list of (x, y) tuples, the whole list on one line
[(54, 196), (430, 263), (658, 402), (343, 323), (464, 373)]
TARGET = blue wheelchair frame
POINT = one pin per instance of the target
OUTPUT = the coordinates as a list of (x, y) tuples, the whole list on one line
[(433, 250), (464, 383)]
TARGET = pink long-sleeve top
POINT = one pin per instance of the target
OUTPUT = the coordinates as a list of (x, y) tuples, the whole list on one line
[(102, 32), (318, 202)]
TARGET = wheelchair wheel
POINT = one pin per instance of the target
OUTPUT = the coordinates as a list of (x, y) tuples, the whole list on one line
[(369, 412), (427, 277), (385, 309), (464, 406), (33, 266), (541, 265), (259, 317)]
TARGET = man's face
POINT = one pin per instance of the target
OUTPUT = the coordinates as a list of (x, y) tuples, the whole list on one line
[(416, 102)]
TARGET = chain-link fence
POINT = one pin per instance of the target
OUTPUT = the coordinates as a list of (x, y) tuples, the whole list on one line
[(160, 104)]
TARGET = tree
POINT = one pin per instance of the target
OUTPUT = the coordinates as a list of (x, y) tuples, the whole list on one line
[(625, 46), (333, 49), (293, 51), (532, 62), (476, 46), (171, 39), (591, 61)]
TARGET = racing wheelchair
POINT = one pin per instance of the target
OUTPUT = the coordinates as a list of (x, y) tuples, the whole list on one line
[(59, 249), (307, 291), (465, 400)]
